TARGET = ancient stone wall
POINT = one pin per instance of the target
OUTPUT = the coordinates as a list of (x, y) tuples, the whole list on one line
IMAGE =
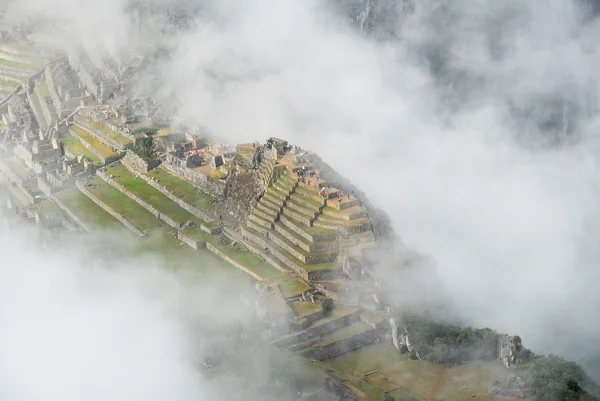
[(109, 210), (196, 212), (16, 71), (380, 221), (189, 241), (13, 79), (101, 136), (336, 348), (105, 160), (16, 58), (22, 51), (319, 330), (197, 179), (226, 258), (145, 205), (69, 213), (313, 238), (136, 164), (339, 390)]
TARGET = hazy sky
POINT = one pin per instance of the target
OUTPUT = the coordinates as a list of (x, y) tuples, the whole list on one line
[(472, 124)]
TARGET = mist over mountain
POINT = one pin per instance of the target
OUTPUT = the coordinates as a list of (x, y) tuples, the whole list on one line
[(473, 124)]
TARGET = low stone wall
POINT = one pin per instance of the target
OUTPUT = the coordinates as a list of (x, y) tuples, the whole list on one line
[(313, 247), (109, 209), (7, 48), (136, 164), (197, 179), (226, 258), (196, 212), (189, 241), (298, 217), (319, 330), (16, 71), (140, 202), (17, 58), (342, 346), (69, 213), (44, 186), (301, 232), (13, 79), (90, 147), (339, 390), (101, 136)]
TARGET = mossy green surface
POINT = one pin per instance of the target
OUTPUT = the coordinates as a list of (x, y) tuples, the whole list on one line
[(101, 148), (86, 210), (75, 147), (183, 190), (110, 133)]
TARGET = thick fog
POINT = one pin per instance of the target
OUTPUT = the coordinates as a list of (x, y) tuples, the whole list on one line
[(473, 124)]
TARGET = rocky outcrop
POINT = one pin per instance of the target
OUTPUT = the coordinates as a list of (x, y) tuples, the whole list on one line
[(513, 386), (400, 339), (239, 197), (508, 348)]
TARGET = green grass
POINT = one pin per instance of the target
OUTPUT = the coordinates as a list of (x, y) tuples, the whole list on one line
[(246, 259), (344, 333), (6, 82), (290, 285), (44, 92), (367, 359), (183, 190), (76, 148), (15, 64), (305, 308), (49, 208), (112, 134), (149, 194), (313, 231), (101, 148), (87, 210), (129, 209)]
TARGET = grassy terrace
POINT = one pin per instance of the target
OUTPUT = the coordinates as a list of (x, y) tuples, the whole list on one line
[(15, 64), (44, 92), (104, 150), (387, 370), (6, 82), (149, 194), (87, 210), (112, 134), (183, 190), (129, 209), (75, 147), (49, 208), (305, 308)]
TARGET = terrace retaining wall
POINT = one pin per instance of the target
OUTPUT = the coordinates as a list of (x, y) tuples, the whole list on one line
[(69, 213), (105, 160), (189, 241), (137, 165), (140, 202), (196, 212), (226, 258), (101, 136), (342, 346), (109, 210)]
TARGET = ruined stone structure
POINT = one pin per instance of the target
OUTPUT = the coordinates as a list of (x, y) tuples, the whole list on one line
[(65, 90)]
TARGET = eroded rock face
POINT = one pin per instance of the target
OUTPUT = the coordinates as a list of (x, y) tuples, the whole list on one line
[(238, 198), (508, 348), (401, 340), (513, 386)]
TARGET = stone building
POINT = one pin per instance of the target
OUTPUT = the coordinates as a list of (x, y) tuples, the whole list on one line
[(94, 80), (65, 90)]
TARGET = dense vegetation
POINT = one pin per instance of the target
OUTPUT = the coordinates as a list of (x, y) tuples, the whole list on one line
[(144, 148), (449, 344), (147, 131), (553, 378), (557, 380)]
